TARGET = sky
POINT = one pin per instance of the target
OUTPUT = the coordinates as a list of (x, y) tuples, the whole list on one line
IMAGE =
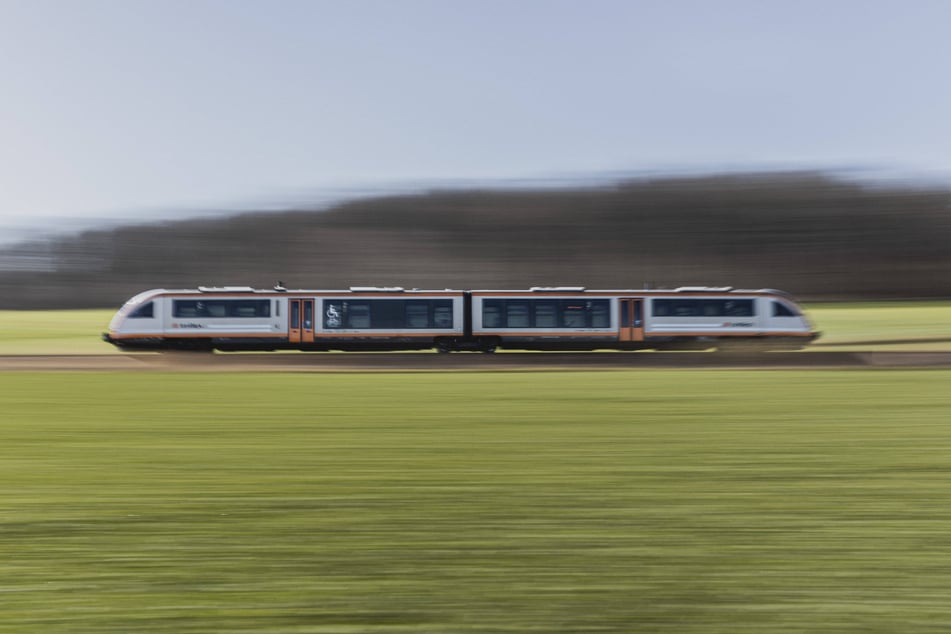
[(162, 108)]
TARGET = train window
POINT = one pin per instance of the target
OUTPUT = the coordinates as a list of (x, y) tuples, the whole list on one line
[(782, 310), (333, 314), (492, 313), (442, 314), (702, 308), (250, 308), (221, 308), (546, 314), (146, 311), (738, 307), (516, 314), (417, 314), (600, 317), (387, 314), (358, 315), (573, 315)]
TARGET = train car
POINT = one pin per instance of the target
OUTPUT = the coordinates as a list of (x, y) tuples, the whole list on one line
[(242, 318), (573, 318), (540, 318)]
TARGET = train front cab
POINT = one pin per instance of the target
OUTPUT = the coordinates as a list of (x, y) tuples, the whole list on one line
[(138, 324), (726, 319)]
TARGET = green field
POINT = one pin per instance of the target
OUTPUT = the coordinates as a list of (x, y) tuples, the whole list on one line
[(628, 501), (874, 326)]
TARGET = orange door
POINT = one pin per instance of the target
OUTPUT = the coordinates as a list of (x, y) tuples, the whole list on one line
[(300, 325), (293, 321), (307, 321), (631, 320)]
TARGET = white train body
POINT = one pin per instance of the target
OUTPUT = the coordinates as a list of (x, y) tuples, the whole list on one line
[(242, 318)]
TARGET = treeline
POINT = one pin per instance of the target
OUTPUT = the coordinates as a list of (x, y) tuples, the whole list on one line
[(816, 236)]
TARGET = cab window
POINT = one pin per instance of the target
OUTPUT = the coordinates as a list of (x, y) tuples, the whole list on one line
[(782, 310), (145, 311)]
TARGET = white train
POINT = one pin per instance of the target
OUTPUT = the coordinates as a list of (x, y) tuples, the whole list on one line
[(541, 318)]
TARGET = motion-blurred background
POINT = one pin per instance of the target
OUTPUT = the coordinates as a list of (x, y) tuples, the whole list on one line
[(814, 235), (473, 145)]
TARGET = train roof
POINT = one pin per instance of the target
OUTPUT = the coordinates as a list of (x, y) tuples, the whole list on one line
[(396, 290)]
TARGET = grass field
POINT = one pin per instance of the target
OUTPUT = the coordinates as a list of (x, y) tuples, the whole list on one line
[(674, 501), (881, 326)]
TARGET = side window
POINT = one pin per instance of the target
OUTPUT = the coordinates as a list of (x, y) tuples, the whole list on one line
[(442, 315), (687, 308), (702, 308), (491, 313), (545, 314), (417, 314), (216, 309), (358, 315), (738, 308), (600, 317), (573, 315), (188, 308), (251, 308), (333, 314), (221, 308), (516, 314)]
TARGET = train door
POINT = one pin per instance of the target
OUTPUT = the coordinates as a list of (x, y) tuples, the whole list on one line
[(631, 319), (300, 323)]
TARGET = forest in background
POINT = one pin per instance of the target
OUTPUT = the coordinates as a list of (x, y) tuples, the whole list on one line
[(817, 236)]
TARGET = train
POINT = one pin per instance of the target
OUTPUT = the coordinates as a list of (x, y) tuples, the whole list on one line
[(563, 318)]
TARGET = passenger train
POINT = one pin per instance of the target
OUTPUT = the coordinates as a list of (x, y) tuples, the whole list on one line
[(390, 318)]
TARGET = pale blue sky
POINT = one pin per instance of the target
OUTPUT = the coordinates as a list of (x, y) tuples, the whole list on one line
[(124, 107)]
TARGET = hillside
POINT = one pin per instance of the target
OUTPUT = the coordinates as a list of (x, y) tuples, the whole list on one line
[(813, 235)]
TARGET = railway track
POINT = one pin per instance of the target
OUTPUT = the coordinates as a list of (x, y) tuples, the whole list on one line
[(505, 361)]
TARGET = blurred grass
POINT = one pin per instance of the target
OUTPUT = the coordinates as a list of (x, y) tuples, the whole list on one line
[(884, 325), (54, 331), (680, 501), (854, 326)]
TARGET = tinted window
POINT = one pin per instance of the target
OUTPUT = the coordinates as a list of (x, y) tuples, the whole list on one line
[(492, 313), (781, 310), (516, 314), (387, 314), (546, 313), (146, 311), (600, 317), (690, 307), (220, 308)]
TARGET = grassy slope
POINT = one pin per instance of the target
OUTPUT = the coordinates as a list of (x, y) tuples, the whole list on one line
[(54, 332), (569, 502), (919, 326)]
